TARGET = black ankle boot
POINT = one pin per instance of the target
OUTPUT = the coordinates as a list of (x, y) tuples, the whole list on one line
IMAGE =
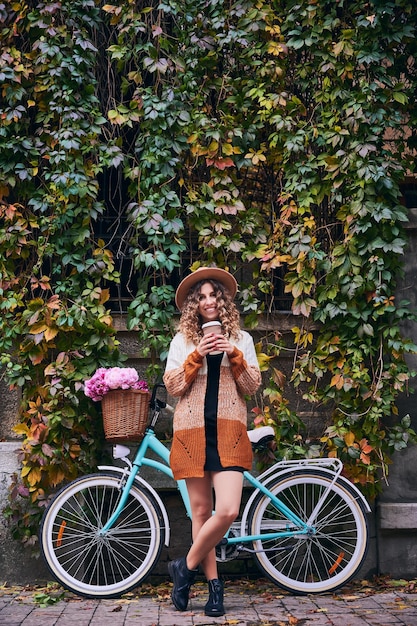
[(214, 606), (182, 578)]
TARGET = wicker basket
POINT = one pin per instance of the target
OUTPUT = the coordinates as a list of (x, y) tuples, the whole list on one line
[(125, 414)]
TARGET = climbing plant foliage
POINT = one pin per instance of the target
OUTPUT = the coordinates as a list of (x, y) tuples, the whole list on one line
[(270, 138)]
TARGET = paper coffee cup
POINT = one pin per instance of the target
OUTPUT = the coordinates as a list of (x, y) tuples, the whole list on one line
[(213, 327)]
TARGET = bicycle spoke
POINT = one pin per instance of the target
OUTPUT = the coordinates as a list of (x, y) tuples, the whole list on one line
[(91, 563), (326, 556)]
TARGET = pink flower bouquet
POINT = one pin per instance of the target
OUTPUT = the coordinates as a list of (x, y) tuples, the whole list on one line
[(106, 379)]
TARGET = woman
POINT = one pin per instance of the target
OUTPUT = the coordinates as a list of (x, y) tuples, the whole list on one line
[(210, 447)]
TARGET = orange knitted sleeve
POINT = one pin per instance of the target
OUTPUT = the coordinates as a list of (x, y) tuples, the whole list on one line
[(178, 380), (193, 363), (237, 362), (247, 377)]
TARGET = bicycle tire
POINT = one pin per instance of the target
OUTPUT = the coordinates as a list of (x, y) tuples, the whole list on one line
[(94, 565), (323, 561)]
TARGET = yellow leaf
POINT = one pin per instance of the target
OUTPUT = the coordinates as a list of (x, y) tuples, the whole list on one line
[(337, 381), (105, 295), (21, 429), (106, 319), (349, 438), (263, 361), (36, 494), (25, 470), (213, 147), (338, 47), (227, 149), (275, 48), (50, 333), (34, 476), (40, 327), (297, 289)]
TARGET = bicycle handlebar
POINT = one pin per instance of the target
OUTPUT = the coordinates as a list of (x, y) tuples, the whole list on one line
[(157, 404)]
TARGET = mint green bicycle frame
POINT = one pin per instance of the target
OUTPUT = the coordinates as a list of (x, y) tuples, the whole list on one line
[(151, 442)]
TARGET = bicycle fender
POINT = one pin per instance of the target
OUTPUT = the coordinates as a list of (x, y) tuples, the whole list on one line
[(333, 467), (281, 473), (144, 483)]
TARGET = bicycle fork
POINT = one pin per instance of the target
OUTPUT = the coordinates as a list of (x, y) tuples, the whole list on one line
[(126, 482), (130, 474)]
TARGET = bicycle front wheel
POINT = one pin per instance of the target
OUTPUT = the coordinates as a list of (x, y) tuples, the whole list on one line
[(323, 560), (95, 565)]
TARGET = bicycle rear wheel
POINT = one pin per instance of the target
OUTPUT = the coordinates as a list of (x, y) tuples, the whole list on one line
[(324, 560), (94, 565)]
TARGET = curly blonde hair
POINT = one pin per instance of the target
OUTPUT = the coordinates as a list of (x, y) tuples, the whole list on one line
[(191, 320)]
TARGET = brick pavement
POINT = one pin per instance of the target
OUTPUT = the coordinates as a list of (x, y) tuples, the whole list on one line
[(247, 604)]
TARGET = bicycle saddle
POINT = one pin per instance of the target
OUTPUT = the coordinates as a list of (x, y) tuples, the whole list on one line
[(260, 437)]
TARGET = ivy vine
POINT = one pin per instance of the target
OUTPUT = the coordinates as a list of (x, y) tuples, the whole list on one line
[(267, 137)]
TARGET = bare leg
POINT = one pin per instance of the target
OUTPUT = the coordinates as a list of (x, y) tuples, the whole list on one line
[(200, 491), (208, 529)]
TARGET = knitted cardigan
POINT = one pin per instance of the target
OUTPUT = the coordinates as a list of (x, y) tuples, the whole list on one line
[(186, 378)]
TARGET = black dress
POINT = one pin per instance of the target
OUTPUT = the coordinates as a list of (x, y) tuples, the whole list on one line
[(212, 463)]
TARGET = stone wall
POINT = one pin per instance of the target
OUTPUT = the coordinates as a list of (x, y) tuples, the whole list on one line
[(397, 505), (17, 566)]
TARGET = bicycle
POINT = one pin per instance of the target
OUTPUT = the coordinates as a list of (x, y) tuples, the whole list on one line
[(304, 523)]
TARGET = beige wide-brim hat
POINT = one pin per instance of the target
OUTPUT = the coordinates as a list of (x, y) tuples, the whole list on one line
[(205, 273)]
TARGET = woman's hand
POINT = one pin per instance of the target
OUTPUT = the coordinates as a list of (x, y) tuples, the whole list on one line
[(214, 342), (207, 343), (223, 344)]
